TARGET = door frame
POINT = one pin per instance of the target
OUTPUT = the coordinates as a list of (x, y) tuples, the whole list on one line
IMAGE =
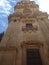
[(30, 45)]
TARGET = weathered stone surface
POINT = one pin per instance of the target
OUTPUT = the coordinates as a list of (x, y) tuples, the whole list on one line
[(19, 37)]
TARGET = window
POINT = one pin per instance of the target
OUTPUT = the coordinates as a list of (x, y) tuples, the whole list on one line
[(29, 26)]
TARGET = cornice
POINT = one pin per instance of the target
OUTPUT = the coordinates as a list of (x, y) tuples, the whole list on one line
[(24, 15)]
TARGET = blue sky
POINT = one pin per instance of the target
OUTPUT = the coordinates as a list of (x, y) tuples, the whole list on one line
[(7, 7)]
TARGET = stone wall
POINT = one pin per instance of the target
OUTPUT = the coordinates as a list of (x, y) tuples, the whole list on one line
[(7, 56)]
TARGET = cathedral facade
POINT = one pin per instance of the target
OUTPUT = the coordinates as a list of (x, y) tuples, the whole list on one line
[(26, 41)]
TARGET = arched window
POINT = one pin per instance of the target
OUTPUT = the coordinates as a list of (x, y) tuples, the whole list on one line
[(29, 26)]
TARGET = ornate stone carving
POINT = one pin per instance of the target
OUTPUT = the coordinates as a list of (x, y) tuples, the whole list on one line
[(34, 28), (27, 11)]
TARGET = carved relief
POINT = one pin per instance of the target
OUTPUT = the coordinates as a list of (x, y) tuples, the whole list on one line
[(29, 27), (28, 21), (27, 11)]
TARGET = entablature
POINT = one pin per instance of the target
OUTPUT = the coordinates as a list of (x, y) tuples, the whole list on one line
[(28, 20)]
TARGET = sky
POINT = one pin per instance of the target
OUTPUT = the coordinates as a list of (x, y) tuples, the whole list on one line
[(7, 7)]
